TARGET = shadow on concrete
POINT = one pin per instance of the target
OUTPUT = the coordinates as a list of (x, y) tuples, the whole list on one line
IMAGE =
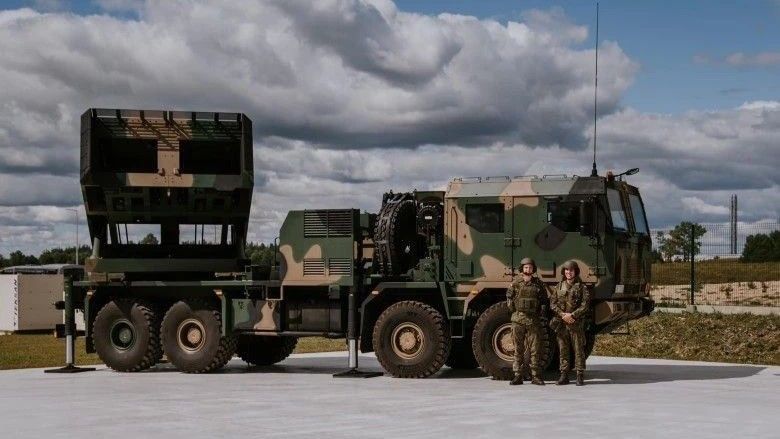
[(619, 373), (657, 373)]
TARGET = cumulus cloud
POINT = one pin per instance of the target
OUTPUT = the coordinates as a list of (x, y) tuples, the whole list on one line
[(740, 59), (700, 206), (715, 150), (352, 98), (762, 59)]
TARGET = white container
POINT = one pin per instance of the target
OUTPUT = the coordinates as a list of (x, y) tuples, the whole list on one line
[(27, 302)]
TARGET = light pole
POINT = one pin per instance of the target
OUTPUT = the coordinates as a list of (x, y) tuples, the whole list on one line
[(76, 212)]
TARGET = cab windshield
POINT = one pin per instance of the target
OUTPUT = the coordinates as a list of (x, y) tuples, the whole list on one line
[(640, 221), (616, 211)]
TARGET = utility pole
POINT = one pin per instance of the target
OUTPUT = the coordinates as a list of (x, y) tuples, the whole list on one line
[(734, 224)]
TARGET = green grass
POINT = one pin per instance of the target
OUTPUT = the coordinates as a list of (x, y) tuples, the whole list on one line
[(19, 351), (735, 338), (715, 271)]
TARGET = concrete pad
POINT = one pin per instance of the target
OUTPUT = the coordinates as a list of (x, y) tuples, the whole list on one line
[(299, 398)]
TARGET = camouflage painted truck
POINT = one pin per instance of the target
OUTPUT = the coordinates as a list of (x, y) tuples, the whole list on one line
[(421, 283)]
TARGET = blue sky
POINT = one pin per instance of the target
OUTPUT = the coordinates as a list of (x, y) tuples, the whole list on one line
[(666, 38)]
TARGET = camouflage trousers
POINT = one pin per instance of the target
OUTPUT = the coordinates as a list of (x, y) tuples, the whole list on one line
[(571, 336), (526, 335)]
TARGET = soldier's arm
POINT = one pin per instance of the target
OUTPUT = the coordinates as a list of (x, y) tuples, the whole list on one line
[(554, 305), (510, 294), (544, 294), (584, 305)]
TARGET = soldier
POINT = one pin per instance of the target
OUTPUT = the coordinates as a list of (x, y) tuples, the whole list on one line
[(526, 298), (570, 304)]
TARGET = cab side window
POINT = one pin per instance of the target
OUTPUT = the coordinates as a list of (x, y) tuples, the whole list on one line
[(564, 215), (486, 218)]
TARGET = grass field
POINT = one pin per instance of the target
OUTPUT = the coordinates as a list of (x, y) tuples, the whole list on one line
[(716, 271), (22, 351), (735, 338)]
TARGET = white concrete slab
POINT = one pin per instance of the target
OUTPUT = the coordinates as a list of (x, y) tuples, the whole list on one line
[(623, 398)]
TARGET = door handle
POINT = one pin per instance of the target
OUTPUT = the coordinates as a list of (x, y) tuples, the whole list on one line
[(512, 242)]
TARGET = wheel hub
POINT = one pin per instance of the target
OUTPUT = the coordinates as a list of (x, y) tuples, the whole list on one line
[(407, 340), (503, 343), (122, 335), (191, 335)]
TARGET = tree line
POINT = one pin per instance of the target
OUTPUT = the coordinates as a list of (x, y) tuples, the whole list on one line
[(676, 245), (259, 253)]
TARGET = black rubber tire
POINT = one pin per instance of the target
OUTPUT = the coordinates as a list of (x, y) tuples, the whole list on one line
[(145, 350), (482, 343), (462, 354), (261, 350), (215, 351), (434, 328), (395, 231)]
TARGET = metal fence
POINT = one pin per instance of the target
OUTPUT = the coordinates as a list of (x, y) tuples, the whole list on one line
[(721, 271)]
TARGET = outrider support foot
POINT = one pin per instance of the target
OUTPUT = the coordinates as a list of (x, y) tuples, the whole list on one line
[(354, 373), (69, 369)]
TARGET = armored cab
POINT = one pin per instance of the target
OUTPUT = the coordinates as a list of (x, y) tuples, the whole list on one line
[(166, 193)]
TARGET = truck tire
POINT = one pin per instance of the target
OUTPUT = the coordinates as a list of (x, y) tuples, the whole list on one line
[(261, 350), (462, 354), (411, 339), (192, 339), (126, 335), (493, 347)]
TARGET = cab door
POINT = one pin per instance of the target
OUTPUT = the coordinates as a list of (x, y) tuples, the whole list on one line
[(528, 219), (483, 252)]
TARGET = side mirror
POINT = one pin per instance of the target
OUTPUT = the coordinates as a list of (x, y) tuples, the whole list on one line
[(586, 218)]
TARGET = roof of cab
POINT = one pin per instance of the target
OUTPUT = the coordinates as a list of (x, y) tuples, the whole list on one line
[(526, 186)]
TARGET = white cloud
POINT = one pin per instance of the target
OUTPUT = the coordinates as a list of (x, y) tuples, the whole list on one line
[(698, 205), (761, 59), (352, 98)]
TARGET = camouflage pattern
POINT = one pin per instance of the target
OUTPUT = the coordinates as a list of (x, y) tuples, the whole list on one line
[(165, 170), (617, 268), (527, 300), (571, 298), (320, 247)]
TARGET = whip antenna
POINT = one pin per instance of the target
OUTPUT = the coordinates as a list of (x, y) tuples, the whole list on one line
[(594, 172)]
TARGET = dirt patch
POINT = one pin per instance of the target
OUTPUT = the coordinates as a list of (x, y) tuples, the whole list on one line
[(762, 293)]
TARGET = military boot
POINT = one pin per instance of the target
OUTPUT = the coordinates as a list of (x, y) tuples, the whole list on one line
[(537, 380), (580, 378), (517, 380), (564, 379)]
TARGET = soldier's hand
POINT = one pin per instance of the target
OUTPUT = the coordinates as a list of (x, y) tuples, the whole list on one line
[(568, 318)]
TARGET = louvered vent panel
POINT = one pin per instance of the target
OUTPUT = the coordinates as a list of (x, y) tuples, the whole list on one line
[(314, 267), (340, 266), (327, 223), (315, 223), (339, 223)]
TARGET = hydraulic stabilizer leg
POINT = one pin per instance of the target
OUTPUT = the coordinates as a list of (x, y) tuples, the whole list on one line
[(70, 334), (353, 371)]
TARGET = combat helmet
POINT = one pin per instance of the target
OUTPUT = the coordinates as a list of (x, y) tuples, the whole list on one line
[(571, 265), (528, 261)]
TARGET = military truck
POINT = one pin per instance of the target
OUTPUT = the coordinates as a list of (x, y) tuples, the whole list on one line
[(421, 283)]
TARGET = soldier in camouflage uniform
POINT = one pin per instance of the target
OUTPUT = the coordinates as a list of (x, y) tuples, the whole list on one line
[(527, 298), (570, 304)]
